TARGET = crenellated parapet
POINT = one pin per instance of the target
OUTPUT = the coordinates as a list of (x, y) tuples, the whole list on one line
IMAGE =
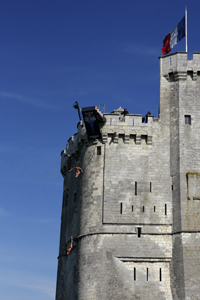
[(117, 127), (74, 146), (129, 127), (177, 67)]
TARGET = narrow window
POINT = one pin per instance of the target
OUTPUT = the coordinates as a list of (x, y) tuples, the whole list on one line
[(121, 208), (190, 75), (165, 209), (132, 207), (187, 120), (136, 188), (134, 273), (171, 76), (147, 274), (160, 274), (150, 187), (172, 187), (143, 209), (74, 273), (74, 197), (154, 208), (99, 150), (139, 231), (133, 122)]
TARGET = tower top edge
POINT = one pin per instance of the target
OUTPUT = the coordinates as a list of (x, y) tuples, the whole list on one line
[(180, 53)]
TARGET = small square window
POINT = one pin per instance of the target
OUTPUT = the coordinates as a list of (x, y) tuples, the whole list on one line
[(187, 119)]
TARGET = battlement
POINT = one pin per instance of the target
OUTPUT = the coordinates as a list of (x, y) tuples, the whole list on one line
[(129, 128), (177, 66)]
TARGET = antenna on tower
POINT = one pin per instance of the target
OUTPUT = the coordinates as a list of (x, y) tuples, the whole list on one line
[(76, 106), (102, 108)]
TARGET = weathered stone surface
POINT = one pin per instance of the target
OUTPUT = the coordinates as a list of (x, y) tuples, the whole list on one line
[(134, 212)]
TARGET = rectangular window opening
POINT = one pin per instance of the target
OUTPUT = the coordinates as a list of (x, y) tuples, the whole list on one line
[(147, 274), (74, 274), (150, 189), (136, 188), (154, 208), (160, 274), (121, 208), (171, 76), (74, 197), (139, 231), (165, 209), (187, 120), (134, 273), (143, 208), (172, 187), (132, 207), (99, 150), (190, 75)]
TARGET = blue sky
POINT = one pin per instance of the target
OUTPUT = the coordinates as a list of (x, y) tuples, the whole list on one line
[(52, 54)]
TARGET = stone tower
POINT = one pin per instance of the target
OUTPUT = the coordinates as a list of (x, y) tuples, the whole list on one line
[(134, 212)]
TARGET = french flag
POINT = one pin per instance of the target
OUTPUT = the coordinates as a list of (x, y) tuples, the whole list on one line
[(172, 38)]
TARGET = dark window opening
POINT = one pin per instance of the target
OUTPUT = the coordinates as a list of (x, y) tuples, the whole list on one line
[(171, 76), (160, 274), (74, 197), (121, 208), (74, 274), (190, 75), (154, 208), (136, 188), (143, 209), (165, 209), (139, 231), (150, 189), (172, 187), (147, 274), (187, 120), (99, 150), (132, 207), (134, 274), (121, 137)]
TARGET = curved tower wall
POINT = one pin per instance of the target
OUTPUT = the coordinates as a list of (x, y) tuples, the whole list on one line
[(135, 230)]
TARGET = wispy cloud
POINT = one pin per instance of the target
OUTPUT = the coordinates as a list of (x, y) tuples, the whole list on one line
[(45, 220), (3, 213), (27, 100), (29, 281), (141, 50), (44, 288)]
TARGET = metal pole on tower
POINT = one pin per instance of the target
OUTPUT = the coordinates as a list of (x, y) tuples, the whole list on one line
[(186, 45)]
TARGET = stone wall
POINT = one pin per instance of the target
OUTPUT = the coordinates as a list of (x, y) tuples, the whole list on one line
[(134, 211)]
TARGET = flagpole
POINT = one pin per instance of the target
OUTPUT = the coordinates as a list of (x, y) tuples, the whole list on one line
[(186, 45)]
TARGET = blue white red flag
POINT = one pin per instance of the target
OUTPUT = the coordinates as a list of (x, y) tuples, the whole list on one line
[(172, 38)]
